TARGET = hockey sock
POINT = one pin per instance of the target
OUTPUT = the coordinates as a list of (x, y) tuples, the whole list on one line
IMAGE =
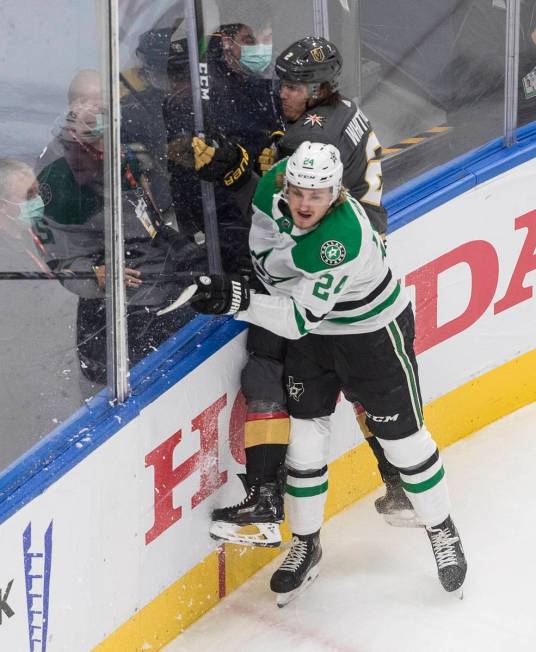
[(305, 498), (422, 474), (266, 438), (386, 469), (263, 462)]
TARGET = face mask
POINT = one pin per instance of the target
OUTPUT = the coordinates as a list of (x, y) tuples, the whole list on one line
[(256, 57), (98, 129), (31, 211)]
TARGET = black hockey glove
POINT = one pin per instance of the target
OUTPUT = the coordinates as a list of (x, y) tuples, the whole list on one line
[(220, 294), (223, 161)]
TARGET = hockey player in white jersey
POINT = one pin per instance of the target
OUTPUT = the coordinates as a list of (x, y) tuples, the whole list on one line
[(328, 289)]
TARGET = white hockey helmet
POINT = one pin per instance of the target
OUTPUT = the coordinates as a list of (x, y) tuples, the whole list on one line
[(315, 165)]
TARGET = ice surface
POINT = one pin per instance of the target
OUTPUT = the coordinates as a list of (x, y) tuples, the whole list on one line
[(378, 590)]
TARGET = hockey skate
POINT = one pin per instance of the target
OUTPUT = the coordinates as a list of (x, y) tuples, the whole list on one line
[(299, 570), (395, 506), (449, 555), (254, 521)]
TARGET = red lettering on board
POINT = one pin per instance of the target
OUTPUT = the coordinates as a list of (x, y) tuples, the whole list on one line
[(483, 263), (517, 292), (236, 428), (167, 477), (207, 424)]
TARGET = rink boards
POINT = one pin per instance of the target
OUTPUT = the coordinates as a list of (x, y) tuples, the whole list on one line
[(114, 554)]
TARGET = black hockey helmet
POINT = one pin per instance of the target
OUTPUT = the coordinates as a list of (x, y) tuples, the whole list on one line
[(312, 60), (157, 51)]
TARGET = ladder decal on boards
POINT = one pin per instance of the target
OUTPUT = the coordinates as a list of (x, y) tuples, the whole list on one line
[(37, 567)]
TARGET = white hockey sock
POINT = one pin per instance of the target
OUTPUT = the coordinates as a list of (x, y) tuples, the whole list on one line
[(305, 498), (422, 474)]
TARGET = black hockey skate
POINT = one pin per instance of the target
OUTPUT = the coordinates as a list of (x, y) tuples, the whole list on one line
[(395, 506), (299, 569), (449, 555), (262, 508)]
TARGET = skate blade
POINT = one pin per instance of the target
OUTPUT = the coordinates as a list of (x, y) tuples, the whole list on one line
[(283, 599), (405, 518), (267, 535)]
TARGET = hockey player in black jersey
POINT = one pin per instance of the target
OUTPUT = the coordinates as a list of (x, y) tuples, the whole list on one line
[(308, 75)]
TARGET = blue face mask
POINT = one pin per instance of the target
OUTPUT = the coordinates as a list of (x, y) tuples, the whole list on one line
[(256, 57), (31, 211)]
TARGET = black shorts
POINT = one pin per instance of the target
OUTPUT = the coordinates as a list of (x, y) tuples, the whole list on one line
[(378, 370)]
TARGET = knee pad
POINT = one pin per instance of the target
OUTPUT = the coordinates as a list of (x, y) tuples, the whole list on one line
[(411, 452), (309, 443)]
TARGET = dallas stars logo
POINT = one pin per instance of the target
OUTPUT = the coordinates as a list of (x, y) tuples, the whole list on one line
[(332, 252), (313, 119), (295, 390)]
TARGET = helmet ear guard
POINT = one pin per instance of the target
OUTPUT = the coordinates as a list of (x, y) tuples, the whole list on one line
[(315, 165)]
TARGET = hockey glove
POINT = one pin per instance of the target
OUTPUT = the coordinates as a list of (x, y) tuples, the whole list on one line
[(225, 162), (220, 294), (269, 154)]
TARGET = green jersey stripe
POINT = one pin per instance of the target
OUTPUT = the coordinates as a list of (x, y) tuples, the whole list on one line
[(375, 311), (398, 344), (426, 484), (306, 492)]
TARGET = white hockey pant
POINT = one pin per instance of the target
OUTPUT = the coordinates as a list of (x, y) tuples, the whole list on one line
[(422, 474), (307, 474)]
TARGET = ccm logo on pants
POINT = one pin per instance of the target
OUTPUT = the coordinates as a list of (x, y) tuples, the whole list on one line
[(382, 419)]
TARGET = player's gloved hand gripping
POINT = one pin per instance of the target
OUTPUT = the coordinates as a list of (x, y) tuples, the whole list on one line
[(222, 161), (268, 155), (214, 294)]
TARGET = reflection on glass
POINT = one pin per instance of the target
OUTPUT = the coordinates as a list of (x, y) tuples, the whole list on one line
[(162, 244), (41, 378)]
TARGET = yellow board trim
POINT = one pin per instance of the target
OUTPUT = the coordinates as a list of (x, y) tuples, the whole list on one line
[(170, 613), (412, 141), (453, 416), (266, 431)]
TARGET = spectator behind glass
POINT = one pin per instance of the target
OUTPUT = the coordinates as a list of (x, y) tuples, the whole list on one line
[(38, 378), (85, 87), (72, 233), (241, 107), (21, 207)]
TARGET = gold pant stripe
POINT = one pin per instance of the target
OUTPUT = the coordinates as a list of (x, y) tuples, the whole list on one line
[(269, 431)]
